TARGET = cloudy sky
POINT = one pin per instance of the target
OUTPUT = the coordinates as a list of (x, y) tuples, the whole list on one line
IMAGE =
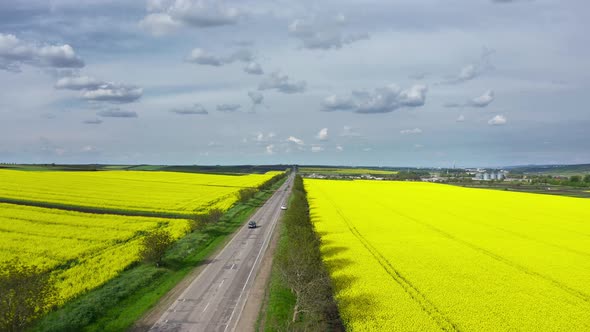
[(390, 82)]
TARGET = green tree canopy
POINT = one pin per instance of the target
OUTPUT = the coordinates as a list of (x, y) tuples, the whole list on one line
[(26, 293)]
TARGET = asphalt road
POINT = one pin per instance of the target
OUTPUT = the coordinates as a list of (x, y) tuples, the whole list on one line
[(215, 299)]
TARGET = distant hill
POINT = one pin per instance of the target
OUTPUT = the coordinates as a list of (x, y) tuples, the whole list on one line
[(234, 169), (551, 169)]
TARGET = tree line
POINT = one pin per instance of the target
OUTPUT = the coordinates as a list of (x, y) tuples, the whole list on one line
[(574, 180), (246, 194), (300, 266)]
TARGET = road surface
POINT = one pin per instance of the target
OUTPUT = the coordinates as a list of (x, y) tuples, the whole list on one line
[(215, 299)]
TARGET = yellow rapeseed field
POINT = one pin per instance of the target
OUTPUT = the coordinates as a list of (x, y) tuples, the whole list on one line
[(169, 192), (94, 247), (407, 256), (84, 250)]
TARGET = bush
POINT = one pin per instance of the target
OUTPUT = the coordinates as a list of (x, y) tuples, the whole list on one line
[(211, 217), (26, 293), (154, 245), (245, 195)]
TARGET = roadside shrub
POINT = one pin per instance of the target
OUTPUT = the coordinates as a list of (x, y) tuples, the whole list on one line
[(154, 245)]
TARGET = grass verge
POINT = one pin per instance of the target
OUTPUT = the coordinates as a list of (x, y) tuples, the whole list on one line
[(116, 305), (280, 301)]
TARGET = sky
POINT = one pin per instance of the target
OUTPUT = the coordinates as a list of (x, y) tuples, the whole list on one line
[(423, 83)]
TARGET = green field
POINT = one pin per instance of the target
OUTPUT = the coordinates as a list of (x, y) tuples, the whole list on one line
[(345, 171)]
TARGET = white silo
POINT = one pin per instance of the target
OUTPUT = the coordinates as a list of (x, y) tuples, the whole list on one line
[(486, 176)]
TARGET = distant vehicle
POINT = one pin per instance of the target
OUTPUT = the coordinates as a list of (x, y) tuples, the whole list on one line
[(283, 207), (252, 224)]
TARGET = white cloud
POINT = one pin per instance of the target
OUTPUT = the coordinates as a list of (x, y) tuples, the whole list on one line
[(473, 70), (460, 118), (270, 149), (381, 100), (480, 101), (59, 56), (196, 109), (228, 107), (348, 131), (411, 131), (339, 148), (89, 149), (324, 33), (159, 24), (498, 120), (242, 55), (454, 105), (97, 90), (203, 13), (166, 16), (281, 83), (202, 57), (295, 140), (317, 148), (116, 113), (334, 102), (114, 93), (260, 137), (79, 83), (483, 100), (414, 96), (322, 134), (15, 52), (256, 97), (253, 68)]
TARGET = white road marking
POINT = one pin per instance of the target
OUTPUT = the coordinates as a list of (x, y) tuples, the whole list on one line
[(271, 210), (262, 249)]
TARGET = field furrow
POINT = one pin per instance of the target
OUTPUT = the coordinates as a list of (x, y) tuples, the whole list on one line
[(494, 271)]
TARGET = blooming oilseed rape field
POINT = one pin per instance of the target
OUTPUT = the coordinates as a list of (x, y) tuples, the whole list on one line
[(83, 250), (407, 256), (113, 191)]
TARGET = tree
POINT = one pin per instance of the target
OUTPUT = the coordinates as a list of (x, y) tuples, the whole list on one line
[(154, 245), (200, 220), (300, 266), (26, 293), (587, 178), (246, 194), (575, 179)]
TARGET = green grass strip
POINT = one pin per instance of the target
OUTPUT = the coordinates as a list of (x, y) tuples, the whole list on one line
[(280, 300)]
